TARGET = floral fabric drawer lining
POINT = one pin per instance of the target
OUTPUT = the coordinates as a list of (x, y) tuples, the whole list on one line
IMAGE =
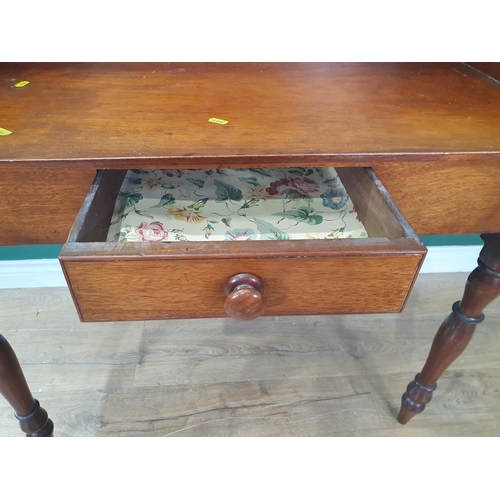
[(233, 204)]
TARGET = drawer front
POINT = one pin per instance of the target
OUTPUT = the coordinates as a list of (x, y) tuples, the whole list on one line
[(158, 289), (118, 281)]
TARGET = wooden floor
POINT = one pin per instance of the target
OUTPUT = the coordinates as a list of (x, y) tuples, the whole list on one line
[(276, 376)]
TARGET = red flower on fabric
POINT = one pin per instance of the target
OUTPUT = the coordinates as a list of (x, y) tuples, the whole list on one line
[(303, 185), (151, 232), (279, 187)]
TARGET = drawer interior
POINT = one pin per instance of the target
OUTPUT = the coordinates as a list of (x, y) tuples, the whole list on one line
[(198, 205), (233, 205), (136, 280)]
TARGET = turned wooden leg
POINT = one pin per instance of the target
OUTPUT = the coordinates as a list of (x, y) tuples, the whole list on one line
[(482, 287), (33, 419)]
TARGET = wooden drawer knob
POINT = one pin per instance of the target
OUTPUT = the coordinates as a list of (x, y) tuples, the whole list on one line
[(244, 299)]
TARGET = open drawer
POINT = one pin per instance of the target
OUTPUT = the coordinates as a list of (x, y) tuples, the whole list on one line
[(271, 273)]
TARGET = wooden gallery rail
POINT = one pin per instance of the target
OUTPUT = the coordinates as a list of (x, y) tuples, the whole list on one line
[(408, 142)]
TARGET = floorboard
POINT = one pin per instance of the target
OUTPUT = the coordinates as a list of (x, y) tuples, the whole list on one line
[(276, 376)]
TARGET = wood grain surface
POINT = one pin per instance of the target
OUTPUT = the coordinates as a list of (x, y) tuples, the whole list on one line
[(38, 205), (445, 197), (276, 112), (430, 130), (281, 376), (488, 68), (121, 290)]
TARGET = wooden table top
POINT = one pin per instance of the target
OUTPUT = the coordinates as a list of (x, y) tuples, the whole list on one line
[(288, 112)]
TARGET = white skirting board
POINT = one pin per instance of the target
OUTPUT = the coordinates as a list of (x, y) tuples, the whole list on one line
[(31, 273), (47, 272)]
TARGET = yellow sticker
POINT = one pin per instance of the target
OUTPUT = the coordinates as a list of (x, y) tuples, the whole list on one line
[(5, 132), (218, 120), (21, 84)]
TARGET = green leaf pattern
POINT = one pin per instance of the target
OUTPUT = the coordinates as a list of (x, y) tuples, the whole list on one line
[(233, 204)]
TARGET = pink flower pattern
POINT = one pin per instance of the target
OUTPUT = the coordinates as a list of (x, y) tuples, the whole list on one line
[(218, 205), (153, 231), (278, 187), (301, 185)]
